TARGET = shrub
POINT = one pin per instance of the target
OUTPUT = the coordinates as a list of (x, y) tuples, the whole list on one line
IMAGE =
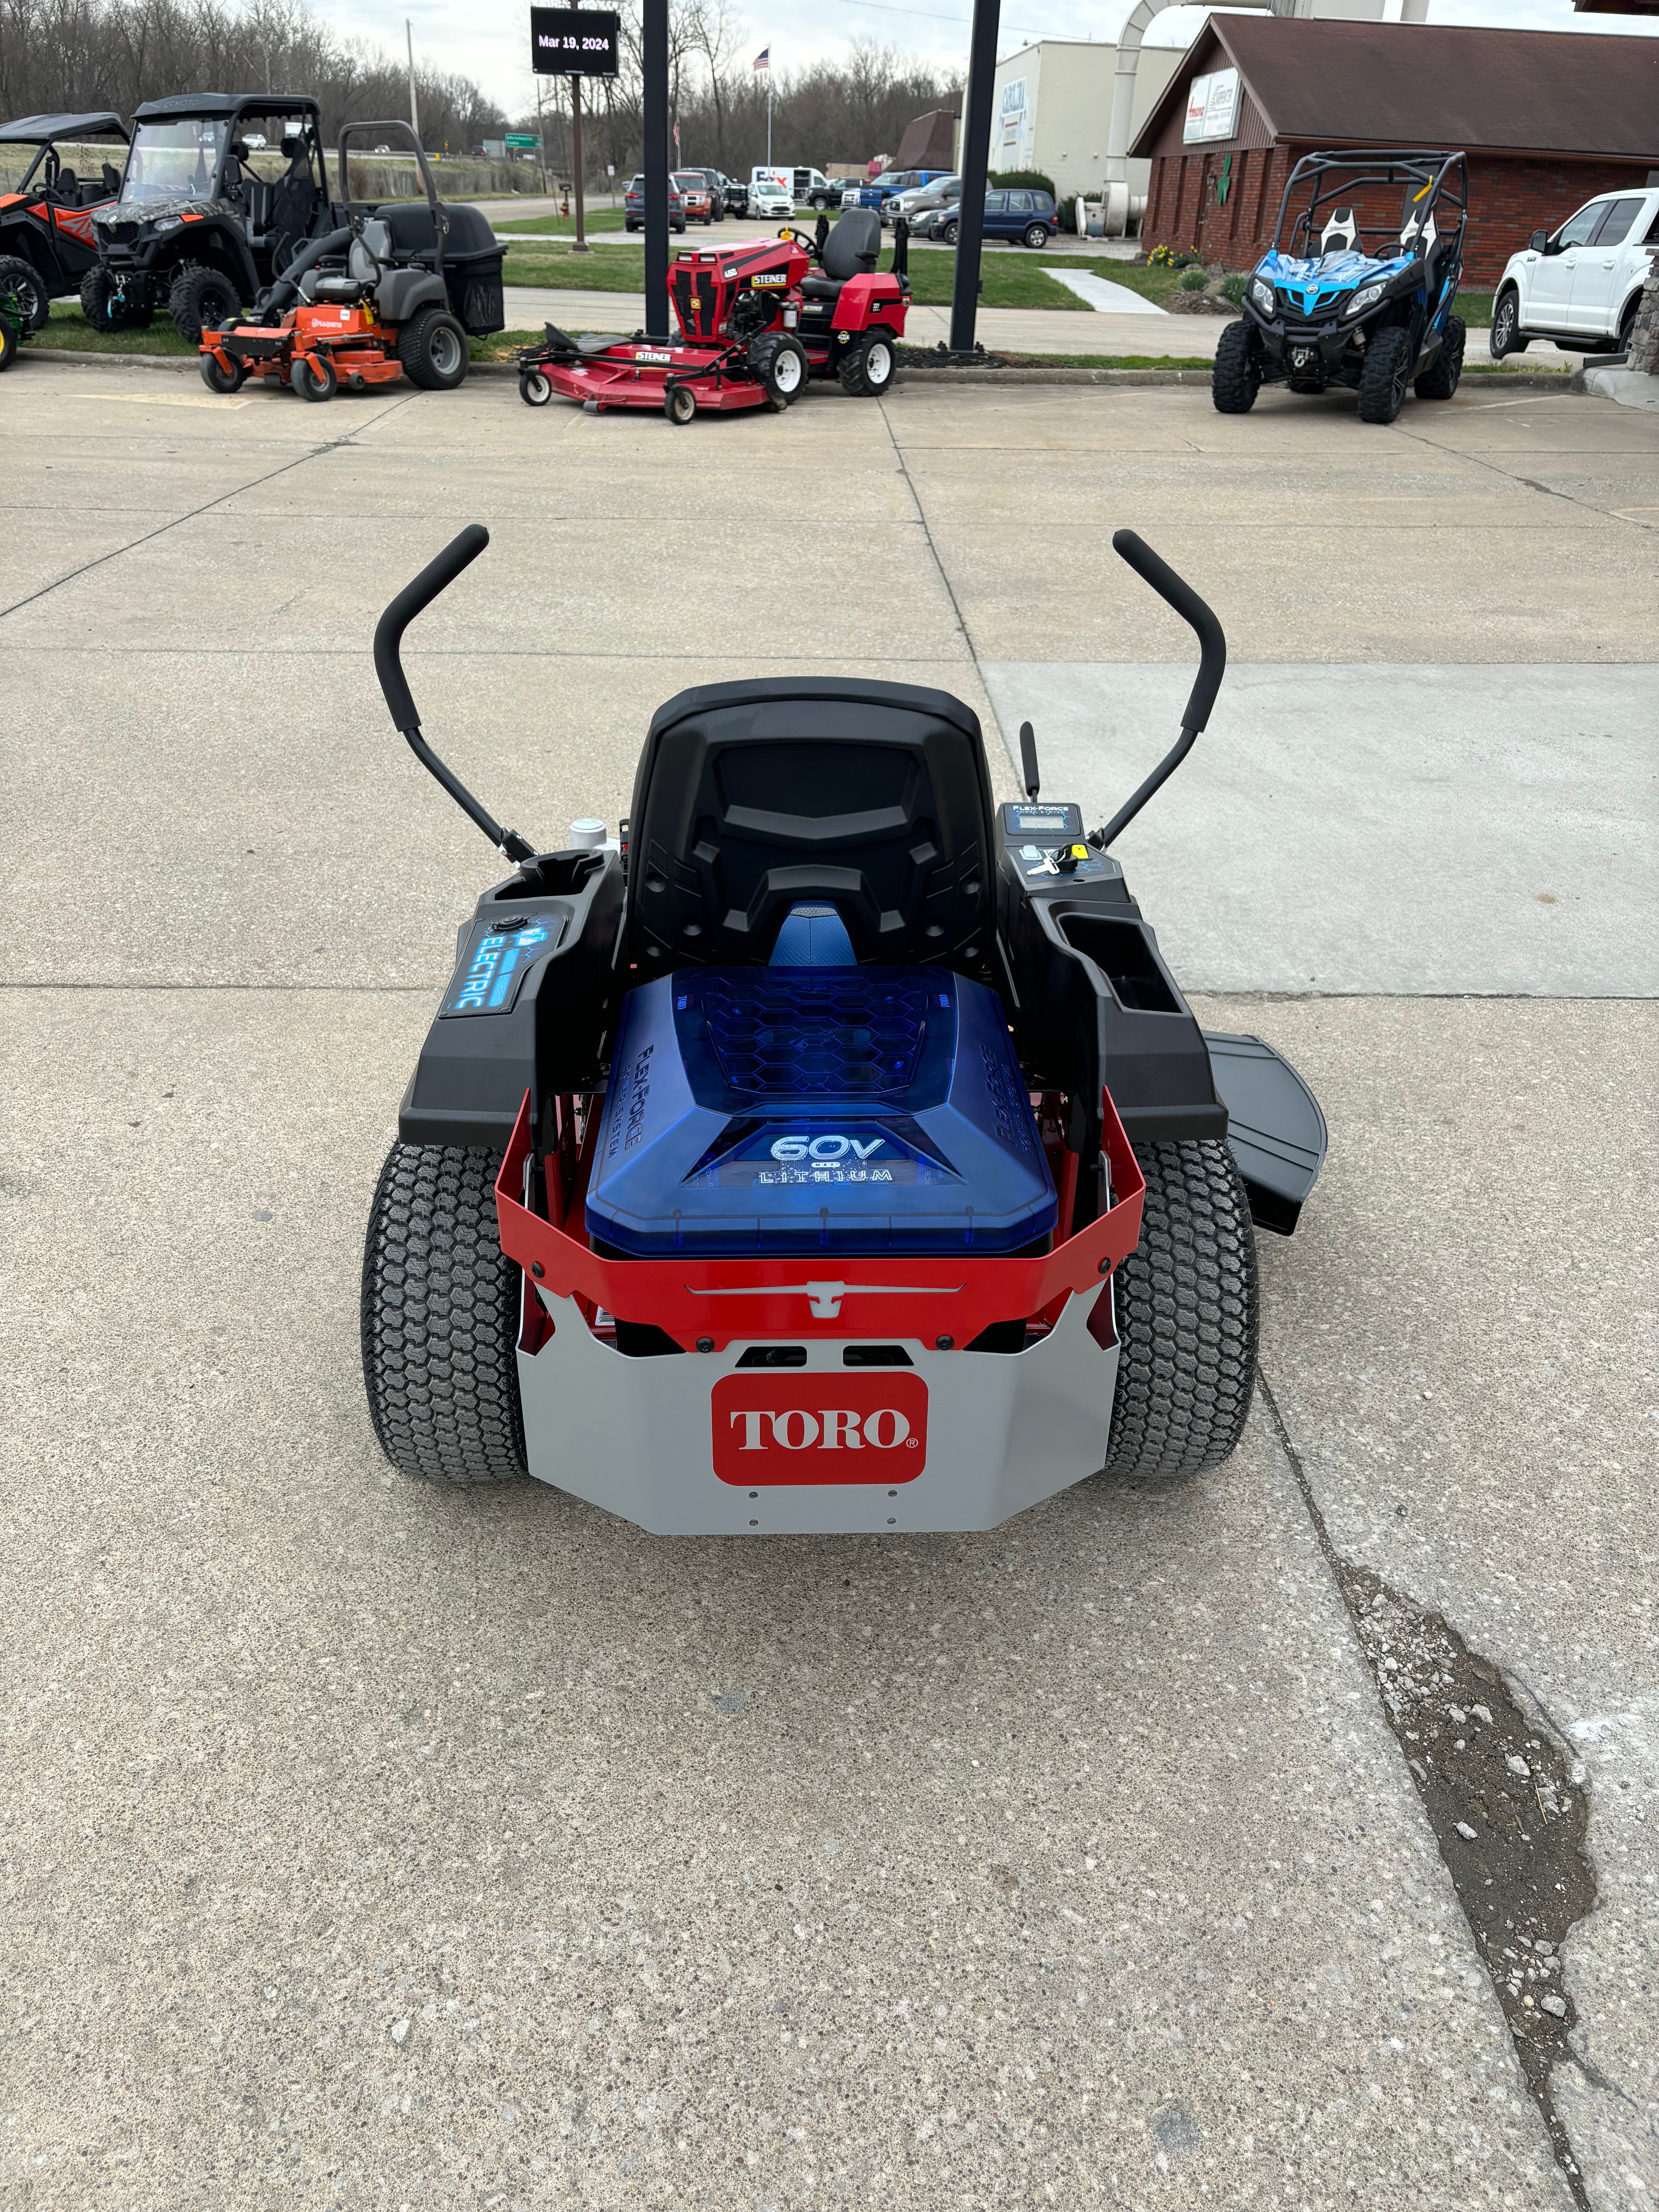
[(1233, 288), (1161, 257), (1024, 180), (1193, 280)]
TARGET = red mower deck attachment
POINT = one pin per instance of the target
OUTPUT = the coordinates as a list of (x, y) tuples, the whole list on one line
[(836, 1152), (755, 322)]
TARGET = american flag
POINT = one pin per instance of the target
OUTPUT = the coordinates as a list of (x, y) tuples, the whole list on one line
[(763, 58)]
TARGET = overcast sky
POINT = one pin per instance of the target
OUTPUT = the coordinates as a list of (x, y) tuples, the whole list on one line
[(489, 39)]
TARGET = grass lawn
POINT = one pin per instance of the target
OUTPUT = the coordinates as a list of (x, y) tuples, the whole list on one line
[(1005, 283), (554, 226)]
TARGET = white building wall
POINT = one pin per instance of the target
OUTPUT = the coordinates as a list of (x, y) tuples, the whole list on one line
[(1057, 123)]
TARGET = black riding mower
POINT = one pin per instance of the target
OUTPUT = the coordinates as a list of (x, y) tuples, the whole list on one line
[(833, 1151)]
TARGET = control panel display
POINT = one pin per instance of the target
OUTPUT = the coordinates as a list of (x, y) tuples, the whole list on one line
[(1052, 825), (1047, 846)]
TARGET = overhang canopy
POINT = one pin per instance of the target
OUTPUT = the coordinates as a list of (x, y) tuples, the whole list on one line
[(1431, 84), (41, 129)]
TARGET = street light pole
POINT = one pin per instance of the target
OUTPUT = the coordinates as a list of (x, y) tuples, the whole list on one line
[(654, 28), (414, 107)]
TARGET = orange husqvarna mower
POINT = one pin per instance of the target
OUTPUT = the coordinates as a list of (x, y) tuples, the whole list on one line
[(367, 304), (755, 322)]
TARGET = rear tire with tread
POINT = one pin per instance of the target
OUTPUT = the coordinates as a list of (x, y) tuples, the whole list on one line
[(441, 1320), (24, 281), (1386, 373), (200, 299), (103, 307), (1440, 379), (1187, 1305), (432, 347), (1235, 375)]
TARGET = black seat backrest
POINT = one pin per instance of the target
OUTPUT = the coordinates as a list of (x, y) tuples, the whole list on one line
[(68, 186), (853, 246), (752, 798)]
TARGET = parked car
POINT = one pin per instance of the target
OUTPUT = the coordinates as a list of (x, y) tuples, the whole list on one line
[(922, 200), (769, 195), (1582, 285), (46, 240), (716, 187), (736, 195), (634, 206), (877, 193), (696, 194), (1022, 218)]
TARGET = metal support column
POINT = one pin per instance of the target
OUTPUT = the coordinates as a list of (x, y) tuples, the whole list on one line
[(976, 161), (655, 27)]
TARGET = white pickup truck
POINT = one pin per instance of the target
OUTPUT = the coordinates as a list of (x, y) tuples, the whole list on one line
[(1580, 287)]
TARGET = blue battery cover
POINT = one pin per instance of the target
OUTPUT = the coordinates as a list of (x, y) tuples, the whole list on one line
[(780, 1109)]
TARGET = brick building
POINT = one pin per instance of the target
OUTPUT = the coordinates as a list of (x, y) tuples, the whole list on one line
[(1549, 119)]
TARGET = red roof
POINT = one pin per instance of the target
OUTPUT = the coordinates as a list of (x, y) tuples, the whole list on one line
[(1432, 84)]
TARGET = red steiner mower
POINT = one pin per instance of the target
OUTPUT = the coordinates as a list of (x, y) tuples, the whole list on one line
[(755, 322)]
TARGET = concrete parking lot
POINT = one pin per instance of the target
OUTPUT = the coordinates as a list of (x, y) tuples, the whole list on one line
[(373, 1845)]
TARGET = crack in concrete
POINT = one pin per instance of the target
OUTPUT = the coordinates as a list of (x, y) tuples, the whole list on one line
[(1504, 1794), (175, 522)]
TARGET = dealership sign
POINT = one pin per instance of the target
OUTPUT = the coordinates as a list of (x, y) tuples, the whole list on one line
[(1211, 107), (574, 41)]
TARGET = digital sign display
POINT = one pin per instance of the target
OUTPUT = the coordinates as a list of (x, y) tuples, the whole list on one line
[(574, 41)]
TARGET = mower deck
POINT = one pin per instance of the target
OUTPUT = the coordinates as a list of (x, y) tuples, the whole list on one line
[(643, 375)]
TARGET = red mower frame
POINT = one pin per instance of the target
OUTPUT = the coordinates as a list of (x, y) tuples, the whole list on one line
[(705, 1304), (754, 325)]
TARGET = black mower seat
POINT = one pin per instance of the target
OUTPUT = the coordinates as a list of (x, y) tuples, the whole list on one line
[(852, 249), (753, 799), (587, 342)]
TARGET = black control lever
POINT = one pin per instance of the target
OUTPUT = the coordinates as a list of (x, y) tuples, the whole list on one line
[(413, 598), (1028, 759), (1178, 593)]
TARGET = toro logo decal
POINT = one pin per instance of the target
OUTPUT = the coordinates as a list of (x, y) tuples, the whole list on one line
[(772, 1428)]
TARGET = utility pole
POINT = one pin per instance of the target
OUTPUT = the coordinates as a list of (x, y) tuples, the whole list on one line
[(654, 26), (414, 106), (581, 244)]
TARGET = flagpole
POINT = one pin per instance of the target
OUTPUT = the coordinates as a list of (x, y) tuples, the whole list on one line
[(769, 113)]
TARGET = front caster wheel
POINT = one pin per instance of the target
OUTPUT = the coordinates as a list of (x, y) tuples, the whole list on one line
[(313, 378), (680, 404), (535, 389), (219, 379)]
